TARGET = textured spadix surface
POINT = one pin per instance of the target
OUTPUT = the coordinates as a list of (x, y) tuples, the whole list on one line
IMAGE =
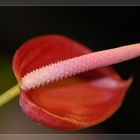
[(74, 103), (70, 67)]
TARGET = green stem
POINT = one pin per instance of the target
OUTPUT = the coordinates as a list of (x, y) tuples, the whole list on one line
[(9, 95)]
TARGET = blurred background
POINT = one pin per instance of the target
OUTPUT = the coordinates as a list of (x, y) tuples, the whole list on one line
[(97, 27)]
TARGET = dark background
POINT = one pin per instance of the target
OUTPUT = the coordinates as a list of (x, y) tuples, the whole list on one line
[(97, 27)]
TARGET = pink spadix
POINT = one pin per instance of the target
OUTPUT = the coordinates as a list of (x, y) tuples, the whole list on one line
[(73, 66)]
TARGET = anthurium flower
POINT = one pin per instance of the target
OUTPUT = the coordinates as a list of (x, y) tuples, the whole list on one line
[(50, 95)]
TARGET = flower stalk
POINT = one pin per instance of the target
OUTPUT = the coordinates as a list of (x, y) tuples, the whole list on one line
[(9, 95)]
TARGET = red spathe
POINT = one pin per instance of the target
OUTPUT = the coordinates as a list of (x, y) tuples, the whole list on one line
[(74, 103)]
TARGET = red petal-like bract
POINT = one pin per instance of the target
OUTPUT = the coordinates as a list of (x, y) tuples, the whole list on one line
[(74, 103)]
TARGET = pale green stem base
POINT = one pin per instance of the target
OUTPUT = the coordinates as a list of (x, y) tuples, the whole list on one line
[(9, 95)]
